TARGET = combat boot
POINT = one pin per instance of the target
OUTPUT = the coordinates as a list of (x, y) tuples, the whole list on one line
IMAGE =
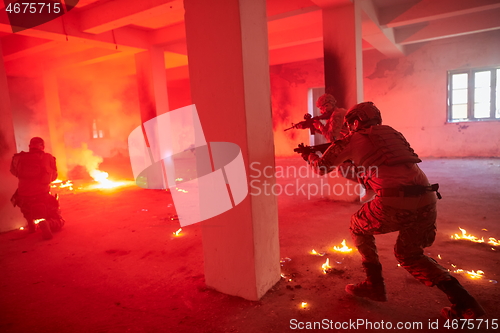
[(31, 226), (373, 287), (463, 305), (45, 227)]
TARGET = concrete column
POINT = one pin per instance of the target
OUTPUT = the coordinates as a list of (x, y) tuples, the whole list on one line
[(153, 96), (230, 85), (152, 83), (343, 70), (10, 217), (56, 128), (343, 53)]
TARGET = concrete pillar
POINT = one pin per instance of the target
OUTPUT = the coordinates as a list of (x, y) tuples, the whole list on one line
[(54, 120), (343, 70), (343, 53), (10, 217), (230, 85), (153, 96), (152, 83)]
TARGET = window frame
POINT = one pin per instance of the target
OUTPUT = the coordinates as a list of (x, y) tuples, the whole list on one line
[(494, 85)]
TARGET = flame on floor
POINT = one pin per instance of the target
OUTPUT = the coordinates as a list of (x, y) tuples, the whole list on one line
[(344, 248), (467, 237), (101, 177), (472, 238), (58, 183), (479, 274), (313, 252), (177, 233), (326, 266)]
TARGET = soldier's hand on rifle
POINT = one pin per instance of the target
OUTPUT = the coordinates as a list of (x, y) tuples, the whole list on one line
[(305, 156), (302, 125), (309, 156)]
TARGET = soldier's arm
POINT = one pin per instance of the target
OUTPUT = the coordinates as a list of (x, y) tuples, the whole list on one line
[(332, 157), (53, 169), (14, 165)]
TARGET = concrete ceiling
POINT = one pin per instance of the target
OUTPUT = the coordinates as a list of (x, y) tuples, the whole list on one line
[(109, 32)]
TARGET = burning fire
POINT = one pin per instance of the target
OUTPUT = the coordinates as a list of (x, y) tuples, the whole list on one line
[(344, 248), (326, 266), (177, 233), (62, 184), (303, 305), (313, 252), (284, 277), (479, 274), (467, 237), (101, 177), (38, 221), (491, 240), (475, 275)]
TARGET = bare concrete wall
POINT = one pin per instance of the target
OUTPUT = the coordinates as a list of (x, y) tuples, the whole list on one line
[(410, 91), (289, 90)]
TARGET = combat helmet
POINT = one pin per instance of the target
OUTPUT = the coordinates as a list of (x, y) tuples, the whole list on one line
[(325, 99), (366, 113)]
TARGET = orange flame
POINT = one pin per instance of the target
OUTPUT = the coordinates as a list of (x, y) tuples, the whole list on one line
[(491, 240), (62, 184), (177, 233), (101, 177), (344, 248), (467, 237), (303, 305), (475, 275), (313, 252), (326, 266)]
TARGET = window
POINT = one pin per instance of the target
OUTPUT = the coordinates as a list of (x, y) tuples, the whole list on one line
[(474, 94), (97, 130)]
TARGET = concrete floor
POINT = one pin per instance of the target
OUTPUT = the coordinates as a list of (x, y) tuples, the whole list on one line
[(117, 267)]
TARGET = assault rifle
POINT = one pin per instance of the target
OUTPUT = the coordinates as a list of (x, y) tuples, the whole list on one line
[(302, 149), (308, 122)]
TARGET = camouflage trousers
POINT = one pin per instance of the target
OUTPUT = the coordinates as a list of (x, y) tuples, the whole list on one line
[(41, 206), (417, 230)]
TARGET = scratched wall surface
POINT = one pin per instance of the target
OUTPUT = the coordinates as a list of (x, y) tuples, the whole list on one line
[(411, 92), (290, 84)]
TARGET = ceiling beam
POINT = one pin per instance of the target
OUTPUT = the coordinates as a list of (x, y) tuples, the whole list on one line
[(291, 13), (450, 27), (16, 46), (168, 35), (380, 38), (115, 14), (331, 3), (66, 29), (428, 10), (297, 36)]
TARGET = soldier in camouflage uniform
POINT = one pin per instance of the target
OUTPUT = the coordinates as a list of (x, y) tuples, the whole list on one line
[(333, 129), (36, 170), (405, 202)]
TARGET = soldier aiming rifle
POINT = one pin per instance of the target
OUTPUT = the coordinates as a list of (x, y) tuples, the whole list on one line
[(329, 123)]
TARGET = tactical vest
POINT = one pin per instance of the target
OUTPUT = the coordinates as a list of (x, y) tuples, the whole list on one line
[(390, 147), (30, 165)]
